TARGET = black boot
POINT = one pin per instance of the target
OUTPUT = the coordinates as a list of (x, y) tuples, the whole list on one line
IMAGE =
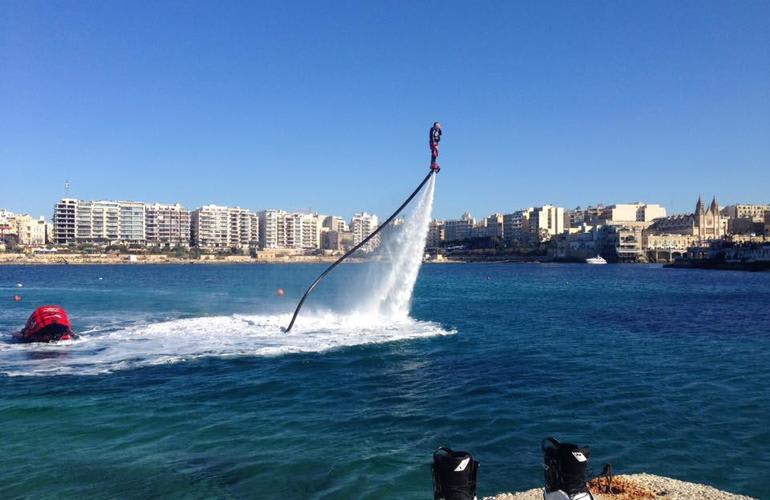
[(565, 471), (454, 475)]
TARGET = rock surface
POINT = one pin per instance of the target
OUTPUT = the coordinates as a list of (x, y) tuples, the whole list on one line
[(638, 487)]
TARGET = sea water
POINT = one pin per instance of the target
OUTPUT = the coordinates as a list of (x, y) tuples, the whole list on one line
[(183, 385)]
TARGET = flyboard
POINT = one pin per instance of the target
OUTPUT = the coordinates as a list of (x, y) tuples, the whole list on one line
[(357, 247)]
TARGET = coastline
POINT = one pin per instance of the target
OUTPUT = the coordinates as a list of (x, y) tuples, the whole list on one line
[(122, 259), (638, 487)]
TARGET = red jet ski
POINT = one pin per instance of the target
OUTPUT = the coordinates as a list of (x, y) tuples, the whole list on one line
[(47, 324)]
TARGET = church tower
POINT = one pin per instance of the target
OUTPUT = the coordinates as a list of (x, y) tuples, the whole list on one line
[(708, 222), (715, 219), (700, 219)]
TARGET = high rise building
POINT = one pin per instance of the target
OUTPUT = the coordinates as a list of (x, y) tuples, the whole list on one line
[(303, 231), (272, 229), (167, 225), (97, 222), (64, 220), (632, 212), (460, 229), (217, 227), (516, 225), (362, 225), (545, 222), (335, 223), (131, 220), (436, 233), (494, 225)]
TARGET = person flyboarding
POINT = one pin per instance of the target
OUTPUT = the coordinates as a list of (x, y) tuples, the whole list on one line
[(434, 137)]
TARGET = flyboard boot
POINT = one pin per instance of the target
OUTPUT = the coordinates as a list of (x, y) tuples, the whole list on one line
[(565, 471), (454, 475)]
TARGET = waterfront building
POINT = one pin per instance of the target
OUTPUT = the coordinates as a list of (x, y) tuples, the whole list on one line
[(167, 225), (579, 243), (97, 222), (272, 228), (460, 229), (516, 225), (591, 215), (703, 224), (545, 222), (215, 227), (494, 225), (436, 234), (303, 231), (335, 223), (667, 247), (362, 225), (6, 216), (330, 239), (64, 230), (6, 223), (31, 232), (632, 212), (131, 220), (100, 222), (754, 212)]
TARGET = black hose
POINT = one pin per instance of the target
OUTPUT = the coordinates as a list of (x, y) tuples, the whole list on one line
[(353, 250)]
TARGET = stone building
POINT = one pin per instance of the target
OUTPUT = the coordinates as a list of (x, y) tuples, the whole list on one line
[(703, 224)]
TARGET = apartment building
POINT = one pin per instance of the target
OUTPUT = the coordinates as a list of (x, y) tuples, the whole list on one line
[(545, 222), (215, 227), (436, 233), (632, 212), (459, 229), (516, 225), (131, 223), (755, 212), (30, 231), (303, 231), (167, 225), (362, 225), (335, 223), (272, 228)]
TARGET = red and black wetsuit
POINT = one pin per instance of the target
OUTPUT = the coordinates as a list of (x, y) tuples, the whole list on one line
[(434, 137)]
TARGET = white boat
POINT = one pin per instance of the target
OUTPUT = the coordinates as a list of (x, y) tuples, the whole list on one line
[(596, 260)]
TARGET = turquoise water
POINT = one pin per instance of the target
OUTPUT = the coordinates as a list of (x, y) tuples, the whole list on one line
[(183, 385)]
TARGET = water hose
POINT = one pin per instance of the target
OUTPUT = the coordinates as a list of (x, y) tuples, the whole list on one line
[(354, 249)]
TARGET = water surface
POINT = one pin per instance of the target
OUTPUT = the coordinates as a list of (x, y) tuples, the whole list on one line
[(184, 387)]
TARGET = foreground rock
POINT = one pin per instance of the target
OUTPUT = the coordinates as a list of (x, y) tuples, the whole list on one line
[(638, 487)]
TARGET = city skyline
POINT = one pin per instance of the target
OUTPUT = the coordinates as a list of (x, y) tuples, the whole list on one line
[(327, 106), (309, 210)]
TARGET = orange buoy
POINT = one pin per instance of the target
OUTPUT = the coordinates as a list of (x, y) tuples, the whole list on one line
[(17, 298), (280, 292)]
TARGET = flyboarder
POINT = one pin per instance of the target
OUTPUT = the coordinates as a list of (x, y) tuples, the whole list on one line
[(434, 137)]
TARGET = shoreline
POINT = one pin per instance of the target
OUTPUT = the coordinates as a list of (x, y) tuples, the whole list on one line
[(143, 259), (638, 487)]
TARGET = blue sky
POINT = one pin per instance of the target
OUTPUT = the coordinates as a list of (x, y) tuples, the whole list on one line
[(326, 105)]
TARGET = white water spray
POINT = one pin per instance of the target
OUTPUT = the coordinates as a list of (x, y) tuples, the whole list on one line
[(402, 249)]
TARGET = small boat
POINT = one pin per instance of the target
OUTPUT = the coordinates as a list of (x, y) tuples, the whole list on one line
[(46, 324), (596, 260)]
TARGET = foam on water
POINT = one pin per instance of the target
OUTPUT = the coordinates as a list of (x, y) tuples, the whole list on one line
[(188, 339)]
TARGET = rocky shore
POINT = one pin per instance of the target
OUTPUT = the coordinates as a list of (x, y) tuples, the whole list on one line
[(638, 487)]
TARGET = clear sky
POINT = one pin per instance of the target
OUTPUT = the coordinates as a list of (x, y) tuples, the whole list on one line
[(327, 105)]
